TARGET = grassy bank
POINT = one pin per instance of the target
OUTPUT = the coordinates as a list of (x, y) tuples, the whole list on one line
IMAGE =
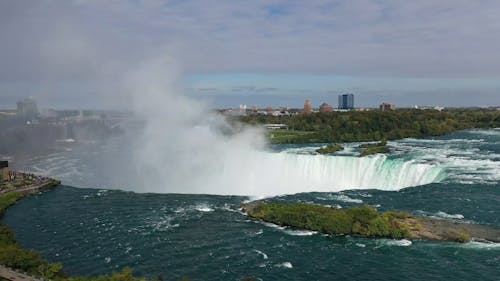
[(361, 126)]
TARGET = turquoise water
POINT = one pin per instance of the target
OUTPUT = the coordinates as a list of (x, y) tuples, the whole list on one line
[(205, 237)]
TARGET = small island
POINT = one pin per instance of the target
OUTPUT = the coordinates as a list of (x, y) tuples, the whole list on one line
[(366, 221), (374, 148), (329, 149)]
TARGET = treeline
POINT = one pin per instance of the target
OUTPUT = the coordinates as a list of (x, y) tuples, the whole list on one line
[(378, 125)]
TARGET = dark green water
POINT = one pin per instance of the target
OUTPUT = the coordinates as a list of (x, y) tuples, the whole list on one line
[(205, 237)]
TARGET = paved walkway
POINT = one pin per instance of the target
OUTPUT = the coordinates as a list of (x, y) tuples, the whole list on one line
[(34, 187), (12, 275)]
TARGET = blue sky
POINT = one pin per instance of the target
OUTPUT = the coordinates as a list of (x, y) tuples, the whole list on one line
[(77, 53)]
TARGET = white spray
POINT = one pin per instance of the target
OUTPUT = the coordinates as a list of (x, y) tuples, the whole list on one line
[(184, 149)]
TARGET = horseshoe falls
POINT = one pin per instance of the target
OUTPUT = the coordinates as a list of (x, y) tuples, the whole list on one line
[(279, 171), (453, 177), (288, 173)]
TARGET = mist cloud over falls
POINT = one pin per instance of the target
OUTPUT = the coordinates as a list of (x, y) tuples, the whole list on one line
[(186, 148)]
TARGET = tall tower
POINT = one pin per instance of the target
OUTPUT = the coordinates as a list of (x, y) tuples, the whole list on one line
[(307, 107), (346, 101)]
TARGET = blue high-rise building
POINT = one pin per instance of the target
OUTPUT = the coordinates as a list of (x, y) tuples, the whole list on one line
[(346, 101)]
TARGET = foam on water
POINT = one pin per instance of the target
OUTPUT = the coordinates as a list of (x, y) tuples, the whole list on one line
[(345, 198), (272, 225), (481, 245), (469, 160), (449, 216), (286, 264), (402, 242), (264, 256), (440, 215), (300, 232), (203, 208)]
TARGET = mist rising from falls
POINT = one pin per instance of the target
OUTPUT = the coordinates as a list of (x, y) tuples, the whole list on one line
[(186, 148)]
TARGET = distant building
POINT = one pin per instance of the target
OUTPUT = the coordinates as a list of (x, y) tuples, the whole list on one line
[(27, 109), (346, 101), (4, 171), (438, 108), (324, 108), (294, 111), (307, 107), (243, 109), (387, 106), (255, 108)]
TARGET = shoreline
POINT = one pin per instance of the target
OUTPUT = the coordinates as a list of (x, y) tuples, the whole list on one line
[(9, 197), (322, 142), (27, 183), (18, 263)]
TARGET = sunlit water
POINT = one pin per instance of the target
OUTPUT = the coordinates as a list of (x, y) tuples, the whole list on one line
[(205, 237)]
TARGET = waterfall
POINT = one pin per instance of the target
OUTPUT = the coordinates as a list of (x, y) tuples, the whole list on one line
[(288, 173)]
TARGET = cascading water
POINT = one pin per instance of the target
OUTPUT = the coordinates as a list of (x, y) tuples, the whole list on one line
[(287, 173)]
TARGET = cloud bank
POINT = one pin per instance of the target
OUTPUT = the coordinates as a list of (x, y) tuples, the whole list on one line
[(65, 48)]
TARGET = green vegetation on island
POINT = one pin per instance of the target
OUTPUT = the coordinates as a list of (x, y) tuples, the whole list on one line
[(366, 221), (374, 148), (329, 149), (374, 125)]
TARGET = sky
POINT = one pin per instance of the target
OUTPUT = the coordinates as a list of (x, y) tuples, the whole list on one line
[(74, 53)]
